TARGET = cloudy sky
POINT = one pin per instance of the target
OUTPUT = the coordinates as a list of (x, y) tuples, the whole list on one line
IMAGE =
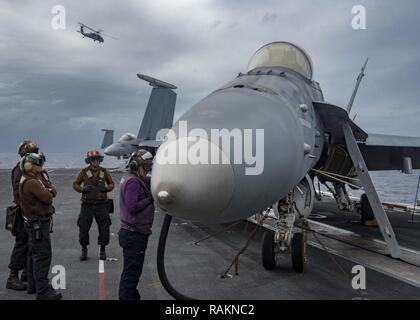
[(60, 89)]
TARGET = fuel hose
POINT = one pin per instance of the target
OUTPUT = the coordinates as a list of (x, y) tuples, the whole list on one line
[(161, 261)]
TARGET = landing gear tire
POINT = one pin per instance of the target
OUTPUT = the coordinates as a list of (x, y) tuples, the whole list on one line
[(268, 255), (298, 248), (366, 211)]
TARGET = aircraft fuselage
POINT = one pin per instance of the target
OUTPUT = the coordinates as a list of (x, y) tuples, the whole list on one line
[(276, 100)]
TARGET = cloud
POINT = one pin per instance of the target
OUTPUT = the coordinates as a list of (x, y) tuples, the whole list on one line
[(61, 89), (270, 18)]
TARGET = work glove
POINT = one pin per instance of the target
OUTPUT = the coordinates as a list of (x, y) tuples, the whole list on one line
[(53, 191), (86, 189)]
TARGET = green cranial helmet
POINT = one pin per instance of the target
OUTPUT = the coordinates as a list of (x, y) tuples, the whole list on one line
[(33, 158)]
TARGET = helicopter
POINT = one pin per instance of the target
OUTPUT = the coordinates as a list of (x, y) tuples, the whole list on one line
[(95, 35)]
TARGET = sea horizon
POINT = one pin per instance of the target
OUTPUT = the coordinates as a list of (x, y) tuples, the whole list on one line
[(392, 186)]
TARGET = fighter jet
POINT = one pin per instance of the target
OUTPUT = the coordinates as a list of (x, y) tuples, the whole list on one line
[(159, 115), (300, 136)]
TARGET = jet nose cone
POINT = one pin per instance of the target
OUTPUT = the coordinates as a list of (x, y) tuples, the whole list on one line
[(164, 197), (190, 190)]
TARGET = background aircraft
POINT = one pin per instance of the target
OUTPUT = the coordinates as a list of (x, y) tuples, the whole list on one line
[(95, 35), (159, 115)]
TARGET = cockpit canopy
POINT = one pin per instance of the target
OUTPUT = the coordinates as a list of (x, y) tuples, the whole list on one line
[(127, 137), (282, 54)]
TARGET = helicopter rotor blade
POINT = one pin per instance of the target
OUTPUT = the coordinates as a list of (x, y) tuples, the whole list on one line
[(99, 31), (109, 36), (88, 27)]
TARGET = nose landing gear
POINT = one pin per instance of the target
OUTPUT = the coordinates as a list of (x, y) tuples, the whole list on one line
[(298, 250), (268, 254), (271, 249), (282, 238)]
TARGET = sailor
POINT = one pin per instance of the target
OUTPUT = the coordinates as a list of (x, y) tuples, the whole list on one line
[(36, 200), (136, 213), (94, 182), (20, 249)]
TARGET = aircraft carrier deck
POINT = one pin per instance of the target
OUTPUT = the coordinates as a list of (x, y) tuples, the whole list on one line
[(195, 269)]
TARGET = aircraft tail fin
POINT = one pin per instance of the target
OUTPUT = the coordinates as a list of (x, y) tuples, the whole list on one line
[(108, 138), (159, 113)]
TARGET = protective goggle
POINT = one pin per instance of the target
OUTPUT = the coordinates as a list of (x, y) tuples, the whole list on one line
[(35, 159), (147, 167), (43, 157), (96, 158)]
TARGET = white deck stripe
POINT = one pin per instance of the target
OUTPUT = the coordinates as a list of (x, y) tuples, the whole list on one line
[(326, 226), (399, 206), (376, 261), (344, 232), (409, 280), (402, 248), (101, 266)]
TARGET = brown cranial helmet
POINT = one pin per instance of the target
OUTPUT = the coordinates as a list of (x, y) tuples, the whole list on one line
[(93, 155)]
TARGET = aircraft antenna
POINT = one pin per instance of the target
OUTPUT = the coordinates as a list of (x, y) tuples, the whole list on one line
[(359, 80)]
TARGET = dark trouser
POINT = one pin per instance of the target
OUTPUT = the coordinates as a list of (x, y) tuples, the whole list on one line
[(39, 255), (101, 214), (134, 246), (20, 250)]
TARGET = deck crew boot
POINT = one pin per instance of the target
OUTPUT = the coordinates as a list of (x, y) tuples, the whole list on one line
[(31, 289), (24, 276), (13, 281), (102, 253), (83, 256), (51, 294)]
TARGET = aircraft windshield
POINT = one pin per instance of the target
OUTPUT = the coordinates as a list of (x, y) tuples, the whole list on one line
[(282, 54), (127, 137)]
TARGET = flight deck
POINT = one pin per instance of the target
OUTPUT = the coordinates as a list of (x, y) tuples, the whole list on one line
[(197, 255)]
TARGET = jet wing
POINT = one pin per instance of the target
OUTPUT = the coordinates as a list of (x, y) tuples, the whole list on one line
[(381, 152), (333, 117), (387, 152), (150, 143)]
